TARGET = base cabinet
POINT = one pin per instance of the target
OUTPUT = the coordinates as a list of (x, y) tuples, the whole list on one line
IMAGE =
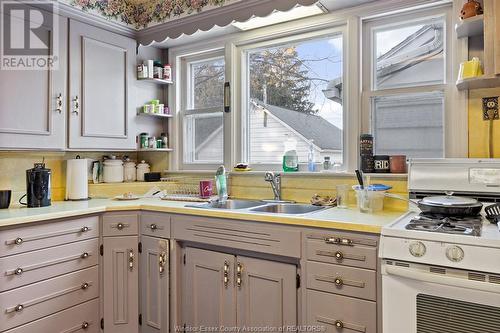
[(121, 278), (154, 285), (225, 290)]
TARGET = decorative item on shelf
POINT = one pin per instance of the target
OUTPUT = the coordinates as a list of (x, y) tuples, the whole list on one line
[(164, 140), (142, 169), (381, 164), (167, 72), (397, 164), (470, 9), (151, 142), (143, 140), (470, 69), (241, 167), (147, 108), (150, 66), (166, 110), (157, 70), (318, 200), (142, 71), (366, 152)]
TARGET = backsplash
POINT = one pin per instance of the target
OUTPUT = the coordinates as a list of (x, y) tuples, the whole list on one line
[(479, 128)]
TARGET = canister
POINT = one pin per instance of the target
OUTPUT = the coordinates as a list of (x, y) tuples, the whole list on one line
[(143, 140), (142, 168)]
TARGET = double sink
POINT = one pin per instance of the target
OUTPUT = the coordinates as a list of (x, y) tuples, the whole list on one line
[(261, 207)]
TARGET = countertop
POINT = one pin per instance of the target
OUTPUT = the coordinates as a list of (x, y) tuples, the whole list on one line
[(348, 219)]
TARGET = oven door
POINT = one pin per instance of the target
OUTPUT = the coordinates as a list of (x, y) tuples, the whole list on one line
[(422, 299)]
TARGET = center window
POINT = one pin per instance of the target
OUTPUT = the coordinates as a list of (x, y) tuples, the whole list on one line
[(294, 98)]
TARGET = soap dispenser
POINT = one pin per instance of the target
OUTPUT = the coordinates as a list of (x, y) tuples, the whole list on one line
[(221, 184)]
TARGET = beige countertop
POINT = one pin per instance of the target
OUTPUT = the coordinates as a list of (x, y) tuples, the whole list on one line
[(334, 218)]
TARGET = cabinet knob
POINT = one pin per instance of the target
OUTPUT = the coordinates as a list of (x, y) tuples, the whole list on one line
[(85, 286), (18, 241), (339, 282), (338, 324), (85, 325), (84, 255), (339, 255), (153, 226), (18, 271), (84, 229), (120, 226)]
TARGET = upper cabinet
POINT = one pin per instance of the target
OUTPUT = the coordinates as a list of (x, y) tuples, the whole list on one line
[(101, 105), (32, 113)]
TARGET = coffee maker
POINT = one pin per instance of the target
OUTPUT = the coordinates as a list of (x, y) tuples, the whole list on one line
[(37, 186)]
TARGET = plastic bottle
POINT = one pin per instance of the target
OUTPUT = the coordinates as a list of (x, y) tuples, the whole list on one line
[(290, 157), (311, 162)]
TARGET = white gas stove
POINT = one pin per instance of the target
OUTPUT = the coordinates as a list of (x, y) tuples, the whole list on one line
[(443, 273)]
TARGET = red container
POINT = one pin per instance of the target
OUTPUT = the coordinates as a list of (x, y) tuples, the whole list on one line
[(206, 188)]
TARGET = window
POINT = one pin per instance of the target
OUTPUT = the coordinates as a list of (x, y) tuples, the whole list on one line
[(202, 118), (294, 95), (405, 86)]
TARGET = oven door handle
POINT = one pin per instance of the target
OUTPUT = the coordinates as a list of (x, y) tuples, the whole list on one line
[(440, 279)]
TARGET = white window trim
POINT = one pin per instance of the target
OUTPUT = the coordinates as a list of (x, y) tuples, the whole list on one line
[(356, 117)]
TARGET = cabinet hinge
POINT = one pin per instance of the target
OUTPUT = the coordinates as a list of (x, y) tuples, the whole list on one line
[(140, 247), (101, 250), (184, 259), (184, 327), (298, 281), (102, 323), (140, 319)]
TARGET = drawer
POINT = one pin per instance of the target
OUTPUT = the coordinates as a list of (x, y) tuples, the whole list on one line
[(340, 314), (45, 235), (237, 234), (29, 267), (343, 280), (83, 318), (120, 224), (155, 224), (37, 300), (343, 249)]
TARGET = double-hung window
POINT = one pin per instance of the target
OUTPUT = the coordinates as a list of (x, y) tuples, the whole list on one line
[(201, 116), (292, 95), (406, 76)]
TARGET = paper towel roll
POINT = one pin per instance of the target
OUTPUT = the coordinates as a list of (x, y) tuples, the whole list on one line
[(76, 179)]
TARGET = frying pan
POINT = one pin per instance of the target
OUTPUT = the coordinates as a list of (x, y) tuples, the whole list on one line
[(450, 205)]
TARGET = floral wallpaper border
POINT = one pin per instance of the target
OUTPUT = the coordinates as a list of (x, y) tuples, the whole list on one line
[(142, 14)]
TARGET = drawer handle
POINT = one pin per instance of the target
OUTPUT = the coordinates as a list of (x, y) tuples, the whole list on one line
[(21, 307), (85, 325), (120, 226), (339, 241), (20, 270), (340, 325), (339, 281), (339, 256), (19, 240)]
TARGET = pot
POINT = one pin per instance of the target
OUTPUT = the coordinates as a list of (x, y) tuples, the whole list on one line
[(450, 205)]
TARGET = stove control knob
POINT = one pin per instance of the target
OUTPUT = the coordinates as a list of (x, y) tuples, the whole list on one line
[(417, 249), (454, 253)]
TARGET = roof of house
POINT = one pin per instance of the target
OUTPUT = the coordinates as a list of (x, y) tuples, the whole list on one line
[(325, 135)]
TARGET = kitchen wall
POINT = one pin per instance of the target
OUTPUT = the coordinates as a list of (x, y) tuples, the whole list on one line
[(479, 128)]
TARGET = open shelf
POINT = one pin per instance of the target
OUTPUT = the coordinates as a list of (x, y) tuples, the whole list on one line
[(155, 149), (157, 81), (479, 82), (155, 115), (473, 26)]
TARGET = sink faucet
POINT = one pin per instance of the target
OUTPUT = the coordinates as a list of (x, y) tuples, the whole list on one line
[(275, 180)]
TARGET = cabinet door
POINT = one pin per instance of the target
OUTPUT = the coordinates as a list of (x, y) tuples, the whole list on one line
[(120, 274), (208, 299), (154, 284), (29, 115), (101, 80), (266, 293)]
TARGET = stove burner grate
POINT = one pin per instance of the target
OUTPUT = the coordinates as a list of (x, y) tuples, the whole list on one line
[(460, 225)]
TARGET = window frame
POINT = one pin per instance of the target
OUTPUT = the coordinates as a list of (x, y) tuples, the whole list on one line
[(243, 49)]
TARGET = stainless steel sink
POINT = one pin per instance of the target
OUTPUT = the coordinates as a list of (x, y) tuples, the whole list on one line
[(295, 209), (229, 204)]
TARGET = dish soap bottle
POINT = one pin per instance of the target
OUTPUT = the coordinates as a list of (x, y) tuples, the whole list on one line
[(290, 157), (221, 184), (311, 162)]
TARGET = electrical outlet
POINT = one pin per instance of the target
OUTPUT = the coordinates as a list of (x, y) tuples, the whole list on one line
[(490, 108)]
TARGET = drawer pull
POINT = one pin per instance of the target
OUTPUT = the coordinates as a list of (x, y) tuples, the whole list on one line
[(84, 255), (338, 241), (120, 226), (45, 298), (339, 281), (83, 326), (19, 240), (153, 227), (339, 256), (340, 325)]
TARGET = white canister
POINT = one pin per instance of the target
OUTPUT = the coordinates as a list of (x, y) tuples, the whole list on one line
[(129, 171), (142, 168), (113, 171)]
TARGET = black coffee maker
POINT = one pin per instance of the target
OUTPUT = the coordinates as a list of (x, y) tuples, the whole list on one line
[(38, 186)]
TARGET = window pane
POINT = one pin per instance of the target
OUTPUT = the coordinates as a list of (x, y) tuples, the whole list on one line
[(410, 125), (203, 138), (410, 55), (295, 93), (207, 79)]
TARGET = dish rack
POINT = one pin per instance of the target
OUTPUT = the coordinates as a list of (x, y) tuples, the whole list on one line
[(182, 188)]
